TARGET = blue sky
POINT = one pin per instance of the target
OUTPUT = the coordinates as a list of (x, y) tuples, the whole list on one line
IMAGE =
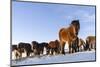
[(41, 22)]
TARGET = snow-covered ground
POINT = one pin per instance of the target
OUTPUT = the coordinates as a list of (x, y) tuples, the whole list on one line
[(75, 57)]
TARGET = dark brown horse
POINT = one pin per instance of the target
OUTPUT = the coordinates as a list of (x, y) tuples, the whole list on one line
[(90, 42), (53, 46), (69, 34), (78, 45), (38, 48), (16, 51), (75, 45)]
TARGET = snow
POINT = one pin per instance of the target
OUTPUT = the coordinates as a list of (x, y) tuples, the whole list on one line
[(46, 59)]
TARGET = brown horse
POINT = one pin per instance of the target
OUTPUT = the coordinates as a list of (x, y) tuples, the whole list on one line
[(53, 46), (68, 34), (90, 42), (81, 44)]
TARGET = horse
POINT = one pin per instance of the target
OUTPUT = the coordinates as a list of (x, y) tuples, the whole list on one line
[(42, 46), (81, 45), (75, 45), (78, 45), (69, 34), (35, 47), (90, 43), (53, 46), (38, 48), (14, 49), (24, 47)]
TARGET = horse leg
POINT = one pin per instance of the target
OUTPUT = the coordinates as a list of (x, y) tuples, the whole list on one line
[(87, 45), (52, 50), (56, 50), (78, 49), (37, 51), (70, 46), (62, 48), (90, 47), (48, 51), (42, 51), (20, 56), (16, 55), (27, 53), (73, 47), (59, 49), (73, 50)]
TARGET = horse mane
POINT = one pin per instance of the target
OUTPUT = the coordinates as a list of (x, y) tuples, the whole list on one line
[(76, 22), (77, 25)]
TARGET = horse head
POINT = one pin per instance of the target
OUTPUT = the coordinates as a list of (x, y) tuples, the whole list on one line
[(76, 24)]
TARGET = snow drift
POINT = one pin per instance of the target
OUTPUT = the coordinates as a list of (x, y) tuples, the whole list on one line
[(46, 59)]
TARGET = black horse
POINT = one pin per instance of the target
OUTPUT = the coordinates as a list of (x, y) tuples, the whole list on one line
[(75, 47), (25, 47), (38, 48)]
